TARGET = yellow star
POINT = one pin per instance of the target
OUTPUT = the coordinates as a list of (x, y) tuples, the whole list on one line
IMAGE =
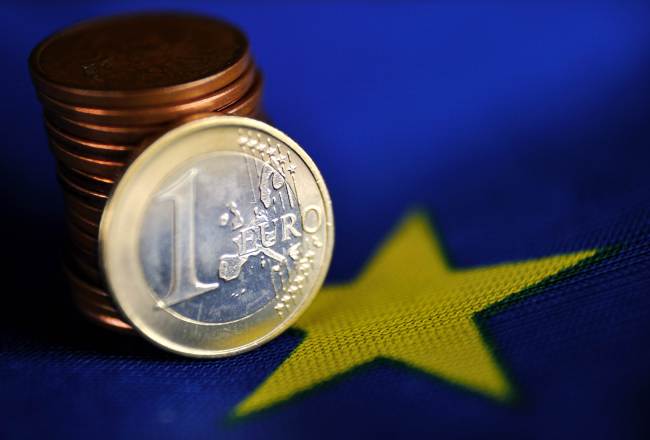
[(408, 306)]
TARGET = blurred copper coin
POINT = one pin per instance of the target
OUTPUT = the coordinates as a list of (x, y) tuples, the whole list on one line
[(107, 182), (139, 60), (100, 184), (88, 268), (82, 239), (94, 311), (109, 88), (97, 304), (82, 223), (153, 115), (85, 162), (89, 187), (87, 211), (85, 224), (125, 135), (94, 301), (91, 255), (81, 145), (108, 320), (90, 197), (247, 105), (261, 115)]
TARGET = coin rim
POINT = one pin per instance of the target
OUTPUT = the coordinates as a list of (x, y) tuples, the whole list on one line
[(146, 96), (106, 245), (154, 114)]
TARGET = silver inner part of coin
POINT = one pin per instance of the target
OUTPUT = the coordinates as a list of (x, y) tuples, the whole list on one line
[(217, 237), (236, 228), (223, 237)]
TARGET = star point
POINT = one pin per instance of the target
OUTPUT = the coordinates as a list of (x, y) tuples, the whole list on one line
[(409, 306)]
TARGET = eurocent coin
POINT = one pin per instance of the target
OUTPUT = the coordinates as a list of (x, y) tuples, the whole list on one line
[(109, 87)]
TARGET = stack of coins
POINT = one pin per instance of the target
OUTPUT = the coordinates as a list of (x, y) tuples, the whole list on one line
[(110, 86)]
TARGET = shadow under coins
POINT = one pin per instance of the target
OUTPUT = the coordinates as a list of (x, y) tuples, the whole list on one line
[(39, 312)]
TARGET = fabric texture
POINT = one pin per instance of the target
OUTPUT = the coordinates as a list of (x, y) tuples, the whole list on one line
[(488, 165)]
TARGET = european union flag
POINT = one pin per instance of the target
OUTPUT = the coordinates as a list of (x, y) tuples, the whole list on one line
[(488, 164)]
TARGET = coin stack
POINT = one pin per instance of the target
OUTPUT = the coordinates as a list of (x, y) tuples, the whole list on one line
[(108, 87)]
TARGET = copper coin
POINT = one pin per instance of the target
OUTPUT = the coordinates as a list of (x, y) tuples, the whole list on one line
[(91, 255), (86, 225), (131, 135), (107, 182), (95, 165), (107, 320), (82, 285), (247, 105), (83, 209), (139, 60), (125, 135), (88, 268), (153, 115), (83, 224), (89, 187), (83, 146), (99, 184), (94, 303), (90, 197), (260, 115), (81, 239), (93, 310), (100, 303)]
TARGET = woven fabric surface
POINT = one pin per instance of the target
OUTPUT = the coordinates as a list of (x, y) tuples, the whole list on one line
[(488, 165)]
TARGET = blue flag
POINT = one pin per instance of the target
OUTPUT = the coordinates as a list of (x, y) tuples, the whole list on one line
[(488, 164)]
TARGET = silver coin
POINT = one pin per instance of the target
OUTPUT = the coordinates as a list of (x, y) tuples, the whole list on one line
[(217, 237)]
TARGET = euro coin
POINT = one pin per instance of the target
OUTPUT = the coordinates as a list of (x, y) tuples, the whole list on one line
[(217, 237)]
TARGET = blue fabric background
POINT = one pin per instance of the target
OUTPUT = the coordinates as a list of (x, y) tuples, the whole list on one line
[(523, 128)]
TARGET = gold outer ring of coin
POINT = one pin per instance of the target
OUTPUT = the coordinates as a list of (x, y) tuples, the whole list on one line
[(153, 115), (119, 237)]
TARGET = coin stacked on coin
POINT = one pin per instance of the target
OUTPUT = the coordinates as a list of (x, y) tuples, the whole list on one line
[(110, 86)]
